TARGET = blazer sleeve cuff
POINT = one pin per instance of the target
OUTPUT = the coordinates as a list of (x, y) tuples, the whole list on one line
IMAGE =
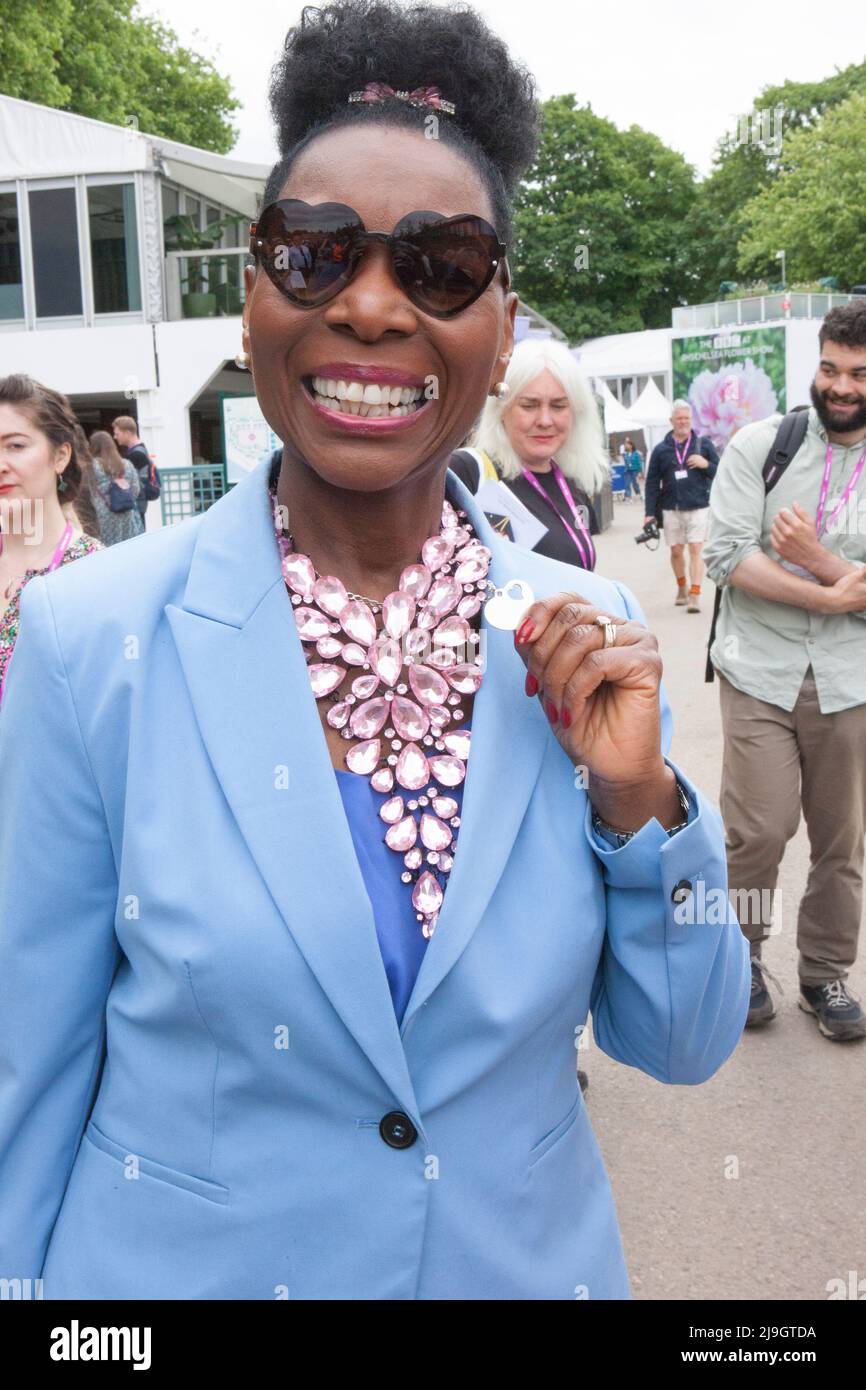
[(652, 856)]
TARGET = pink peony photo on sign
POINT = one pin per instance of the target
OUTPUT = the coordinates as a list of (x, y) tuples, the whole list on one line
[(731, 377), (725, 400)]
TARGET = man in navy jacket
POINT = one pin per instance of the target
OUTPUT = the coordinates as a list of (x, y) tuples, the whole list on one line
[(681, 471)]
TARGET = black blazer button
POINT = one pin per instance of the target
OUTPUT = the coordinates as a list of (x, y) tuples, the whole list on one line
[(681, 891), (397, 1130)]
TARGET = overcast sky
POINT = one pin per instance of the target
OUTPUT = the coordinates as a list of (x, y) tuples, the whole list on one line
[(683, 69)]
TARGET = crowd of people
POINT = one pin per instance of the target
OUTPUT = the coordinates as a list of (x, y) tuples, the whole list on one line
[(240, 726)]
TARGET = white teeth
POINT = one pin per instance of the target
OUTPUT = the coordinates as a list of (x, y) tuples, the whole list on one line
[(369, 399), (371, 393)]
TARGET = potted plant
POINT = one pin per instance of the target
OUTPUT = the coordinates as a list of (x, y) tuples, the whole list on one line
[(197, 299)]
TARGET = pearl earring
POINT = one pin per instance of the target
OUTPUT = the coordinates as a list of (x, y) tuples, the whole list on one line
[(501, 390), (242, 360)]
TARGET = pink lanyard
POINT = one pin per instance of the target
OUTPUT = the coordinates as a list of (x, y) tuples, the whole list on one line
[(57, 557), (59, 553), (685, 454), (820, 524), (587, 551)]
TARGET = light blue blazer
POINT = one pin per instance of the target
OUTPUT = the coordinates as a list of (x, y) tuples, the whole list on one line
[(197, 1040)]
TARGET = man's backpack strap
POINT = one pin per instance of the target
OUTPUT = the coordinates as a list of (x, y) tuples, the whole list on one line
[(789, 437)]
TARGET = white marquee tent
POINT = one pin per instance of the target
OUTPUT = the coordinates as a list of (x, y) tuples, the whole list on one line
[(616, 418), (652, 411)]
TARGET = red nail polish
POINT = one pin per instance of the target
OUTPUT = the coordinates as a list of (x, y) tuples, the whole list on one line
[(531, 684), (565, 717), (551, 712), (525, 631)]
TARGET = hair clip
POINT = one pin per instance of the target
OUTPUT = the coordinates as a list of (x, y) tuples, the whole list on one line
[(420, 96)]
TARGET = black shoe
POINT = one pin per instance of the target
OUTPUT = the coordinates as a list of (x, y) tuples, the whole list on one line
[(583, 1080), (761, 1006), (838, 1013)]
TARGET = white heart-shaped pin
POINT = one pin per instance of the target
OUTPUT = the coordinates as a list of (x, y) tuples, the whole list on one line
[(505, 611)]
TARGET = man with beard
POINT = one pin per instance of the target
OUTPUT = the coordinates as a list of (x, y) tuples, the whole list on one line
[(790, 651)]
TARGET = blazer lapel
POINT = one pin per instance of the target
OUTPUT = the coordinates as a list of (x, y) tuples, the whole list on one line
[(245, 670), (509, 739)]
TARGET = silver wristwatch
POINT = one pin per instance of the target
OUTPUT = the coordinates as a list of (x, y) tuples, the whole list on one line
[(622, 837)]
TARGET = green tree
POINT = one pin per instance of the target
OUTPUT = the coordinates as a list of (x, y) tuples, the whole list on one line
[(804, 103), (715, 224), (598, 218), (814, 207), (29, 37), (741, 171), (101, 58)]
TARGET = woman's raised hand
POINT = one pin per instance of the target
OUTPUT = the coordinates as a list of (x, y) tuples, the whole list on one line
[(603, 704)]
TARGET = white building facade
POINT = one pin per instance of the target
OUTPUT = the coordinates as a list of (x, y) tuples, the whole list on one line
[(95, 303)]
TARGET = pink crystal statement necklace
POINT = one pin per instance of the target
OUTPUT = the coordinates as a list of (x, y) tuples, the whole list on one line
[(407, 691)]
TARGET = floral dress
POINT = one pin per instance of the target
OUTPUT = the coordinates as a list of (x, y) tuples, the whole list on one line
[(10, 615)]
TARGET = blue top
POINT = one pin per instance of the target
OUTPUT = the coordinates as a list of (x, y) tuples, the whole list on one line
[(401, 941), (400, 938)]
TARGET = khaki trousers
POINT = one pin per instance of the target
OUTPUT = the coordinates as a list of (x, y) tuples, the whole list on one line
[(774, 761)]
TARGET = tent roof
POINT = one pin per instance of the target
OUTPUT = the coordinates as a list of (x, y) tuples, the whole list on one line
[(616, 417), (42, 142), (626, 354), (652, 407)]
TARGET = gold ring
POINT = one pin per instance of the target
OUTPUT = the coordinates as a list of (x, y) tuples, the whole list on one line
[(609, 627)]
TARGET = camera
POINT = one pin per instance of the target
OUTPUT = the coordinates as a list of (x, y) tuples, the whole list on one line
[(649, 533)]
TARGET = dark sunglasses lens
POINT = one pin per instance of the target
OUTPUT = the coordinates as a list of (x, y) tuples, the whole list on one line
[(305, 250), (446, 265)]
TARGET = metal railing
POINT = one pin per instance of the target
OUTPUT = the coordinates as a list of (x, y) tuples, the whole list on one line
[(187, 491), (205, 284), (794, 304)]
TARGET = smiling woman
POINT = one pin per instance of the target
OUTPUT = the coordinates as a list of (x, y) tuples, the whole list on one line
[(302, 797)]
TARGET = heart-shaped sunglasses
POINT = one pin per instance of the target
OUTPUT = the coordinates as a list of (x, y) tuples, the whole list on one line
[(312, 251)]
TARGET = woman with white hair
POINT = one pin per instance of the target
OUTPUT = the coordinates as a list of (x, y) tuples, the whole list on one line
[(545, 439)]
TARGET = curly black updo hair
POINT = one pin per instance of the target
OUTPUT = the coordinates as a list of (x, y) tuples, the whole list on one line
[(341, 46)]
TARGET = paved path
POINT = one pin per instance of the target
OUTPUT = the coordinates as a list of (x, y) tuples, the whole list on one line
[(788, 1106)]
